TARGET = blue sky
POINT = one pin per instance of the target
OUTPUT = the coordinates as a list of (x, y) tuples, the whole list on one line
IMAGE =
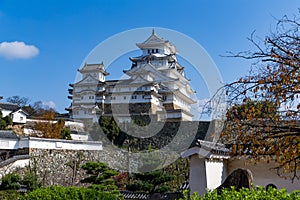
[(54, 37)]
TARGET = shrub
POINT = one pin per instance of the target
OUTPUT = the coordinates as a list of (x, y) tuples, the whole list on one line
[(10, 182), (245, 193), (9, 195), (69, 193), (8, 120)]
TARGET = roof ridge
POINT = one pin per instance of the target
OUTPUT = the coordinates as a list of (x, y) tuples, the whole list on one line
[(8, 103)]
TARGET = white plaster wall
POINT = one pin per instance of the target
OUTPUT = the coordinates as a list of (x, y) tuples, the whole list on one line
[(186, 117), (262, 175), (214, 172), (197, 175), (19, 117), (74, 124), (79, 137), (44, 143), (6, 143)]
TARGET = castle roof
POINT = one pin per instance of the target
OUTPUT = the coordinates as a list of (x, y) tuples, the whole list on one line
[(98, 67), (154, 41), (207, 149)]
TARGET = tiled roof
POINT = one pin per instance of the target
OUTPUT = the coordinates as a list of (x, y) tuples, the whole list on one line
[(7, 134), (145, 196), (217, 148), (9, 106), (134, 195)]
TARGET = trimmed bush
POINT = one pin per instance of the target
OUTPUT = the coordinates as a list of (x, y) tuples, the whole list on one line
[(9, 195), (245, 193), (70, 193)]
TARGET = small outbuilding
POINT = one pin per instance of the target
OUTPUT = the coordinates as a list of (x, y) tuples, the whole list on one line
[(14, 111)]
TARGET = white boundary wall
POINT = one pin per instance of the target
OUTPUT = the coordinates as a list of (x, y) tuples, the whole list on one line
[(45, 143)]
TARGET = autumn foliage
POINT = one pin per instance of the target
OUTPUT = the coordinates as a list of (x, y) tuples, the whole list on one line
[(47, 127), (263, 116)]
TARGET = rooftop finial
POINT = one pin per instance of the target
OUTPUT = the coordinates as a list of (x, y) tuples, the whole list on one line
[(153, 33)]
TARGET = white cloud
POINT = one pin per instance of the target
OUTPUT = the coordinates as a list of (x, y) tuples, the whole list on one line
[(211, 108), (49, 104), (201, 103), (17, 50)]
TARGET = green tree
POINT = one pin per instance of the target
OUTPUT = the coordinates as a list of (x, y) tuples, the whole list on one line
[(99, 174), (66, 134), (31, 181), (153, 179), (274, 81), (151, 182), (10, 181), (5, 121), (3, 124), (8, 120), (109, 127)]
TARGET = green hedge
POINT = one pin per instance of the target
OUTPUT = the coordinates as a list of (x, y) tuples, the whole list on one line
[(254, 194), (9, 195), (70, 193)]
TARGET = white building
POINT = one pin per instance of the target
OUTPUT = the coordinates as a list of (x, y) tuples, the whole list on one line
[(156, 87), (210, 164), (14, 111)]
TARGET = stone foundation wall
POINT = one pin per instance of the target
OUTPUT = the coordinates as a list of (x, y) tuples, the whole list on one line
[(62, 167)]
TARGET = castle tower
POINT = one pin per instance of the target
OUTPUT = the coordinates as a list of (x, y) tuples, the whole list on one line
[(85, 93), (156, 86), (158, 64)]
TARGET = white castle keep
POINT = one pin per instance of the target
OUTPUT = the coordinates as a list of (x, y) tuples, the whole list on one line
[(156, 87)]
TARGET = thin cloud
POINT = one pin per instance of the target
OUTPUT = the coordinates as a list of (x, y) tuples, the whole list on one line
[(49, 104), (17, 50)]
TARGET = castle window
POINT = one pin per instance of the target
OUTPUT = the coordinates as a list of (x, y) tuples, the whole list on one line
[(164, 98), (148, 50), (156, 50), (124, 97), (133, 97), (152, 50)]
